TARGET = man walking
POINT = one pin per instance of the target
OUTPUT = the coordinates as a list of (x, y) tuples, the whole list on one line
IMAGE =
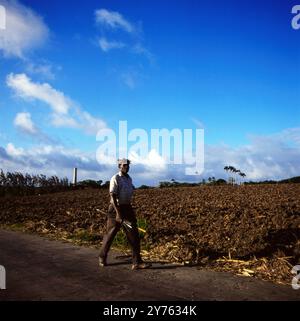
[(121, 213)]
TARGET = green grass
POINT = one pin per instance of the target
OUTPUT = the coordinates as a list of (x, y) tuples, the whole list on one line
[(142, 223), (17, 227), (83, 236), (120, 239)]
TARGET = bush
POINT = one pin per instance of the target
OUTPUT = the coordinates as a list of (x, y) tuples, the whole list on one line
[(90, 183), (144, 187)]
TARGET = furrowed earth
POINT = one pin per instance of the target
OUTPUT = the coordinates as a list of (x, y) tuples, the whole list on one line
[(250, 230)]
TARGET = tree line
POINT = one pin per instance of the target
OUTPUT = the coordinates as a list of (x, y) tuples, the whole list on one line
[(235, 174), (17, 183)]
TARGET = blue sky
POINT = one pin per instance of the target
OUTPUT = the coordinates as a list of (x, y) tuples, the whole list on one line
[(231, 67)]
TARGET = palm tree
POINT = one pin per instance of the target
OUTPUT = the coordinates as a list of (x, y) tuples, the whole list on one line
[(243, 175), (226, 169), (233, 179), (232, 170), (3, 179), (237, 172)]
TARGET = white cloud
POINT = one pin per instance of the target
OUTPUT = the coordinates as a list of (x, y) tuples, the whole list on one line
[(198, 123), (265, 157), (13, 151), (45, 70), (89, 123), (152, 161), (52, 160), (106, 45), (79, 120), (24, 87), (133, 43), (25, 30), (114, 20), (290, 135), (66, 113), (141, 50), (24, 123), (129, 79), (59, 120), (59, 160), (272, 157)]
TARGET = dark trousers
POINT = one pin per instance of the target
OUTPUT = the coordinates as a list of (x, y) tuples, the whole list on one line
[(132, 234)]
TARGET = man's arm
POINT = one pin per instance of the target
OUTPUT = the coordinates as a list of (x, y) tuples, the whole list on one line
[(114, 202)]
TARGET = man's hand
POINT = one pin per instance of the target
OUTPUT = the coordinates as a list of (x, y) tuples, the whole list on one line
[(116, 207), (119, 218)]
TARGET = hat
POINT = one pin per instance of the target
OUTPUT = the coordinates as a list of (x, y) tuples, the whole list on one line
[(123, 161)]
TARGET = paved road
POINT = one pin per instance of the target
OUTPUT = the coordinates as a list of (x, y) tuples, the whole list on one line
[(41, 269)]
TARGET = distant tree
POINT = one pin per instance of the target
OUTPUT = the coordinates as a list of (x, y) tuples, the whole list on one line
[(106, 184), (144, 187), (90, 183), (17, 183), (237, 172), (291, 180), (233, 179), (232, 170), (221, 181), (243, 175), (226, 168), (164, 184), (3, 179)]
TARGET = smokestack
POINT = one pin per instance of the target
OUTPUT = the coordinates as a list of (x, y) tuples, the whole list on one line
[(75, 176)]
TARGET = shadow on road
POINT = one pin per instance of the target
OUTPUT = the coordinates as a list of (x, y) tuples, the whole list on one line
[(156, 265), (166, 267), (118, 263)]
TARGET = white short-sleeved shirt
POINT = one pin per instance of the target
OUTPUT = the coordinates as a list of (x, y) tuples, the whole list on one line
[(122, 186)]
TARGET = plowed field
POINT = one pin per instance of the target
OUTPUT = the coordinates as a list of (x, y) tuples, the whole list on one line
[(249, 230)]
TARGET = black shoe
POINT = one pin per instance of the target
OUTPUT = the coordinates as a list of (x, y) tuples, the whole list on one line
[(102, 261)]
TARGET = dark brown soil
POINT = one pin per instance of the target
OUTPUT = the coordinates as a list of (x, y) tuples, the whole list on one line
[(215, 226)]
